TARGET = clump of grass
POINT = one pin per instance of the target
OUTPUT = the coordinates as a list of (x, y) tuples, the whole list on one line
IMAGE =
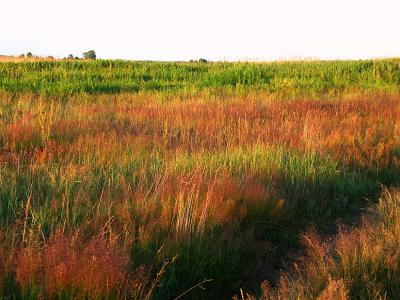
[(70, 267), (46, 112), (359, 263)]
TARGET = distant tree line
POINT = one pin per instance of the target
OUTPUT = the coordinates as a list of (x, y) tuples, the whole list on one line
[(91, 54)]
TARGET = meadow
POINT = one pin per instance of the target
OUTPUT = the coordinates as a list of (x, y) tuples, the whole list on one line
[(62, 78), (178, 180)]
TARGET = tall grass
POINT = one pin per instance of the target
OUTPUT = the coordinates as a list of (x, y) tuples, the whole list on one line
[(139, 195)]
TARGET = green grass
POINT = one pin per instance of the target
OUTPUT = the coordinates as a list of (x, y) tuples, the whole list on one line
[(64, 78)]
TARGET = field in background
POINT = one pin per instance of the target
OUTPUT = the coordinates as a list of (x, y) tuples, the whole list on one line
[(24, 59), (62, 78), (158, 180)]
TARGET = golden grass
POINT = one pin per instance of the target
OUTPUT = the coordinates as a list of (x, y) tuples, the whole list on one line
[(123, 181), (18, 59)]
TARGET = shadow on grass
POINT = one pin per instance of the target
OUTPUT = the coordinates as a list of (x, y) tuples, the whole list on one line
[(308, 190), (320, 203)]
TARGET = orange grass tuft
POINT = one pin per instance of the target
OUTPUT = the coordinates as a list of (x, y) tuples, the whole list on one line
[(95, 268)]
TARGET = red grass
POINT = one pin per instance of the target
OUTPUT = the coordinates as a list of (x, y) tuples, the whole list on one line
[(95, 267)]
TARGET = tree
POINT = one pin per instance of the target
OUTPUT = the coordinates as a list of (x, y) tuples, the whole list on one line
[(29, 54), (91, 54), (203, 60), (70, 56)]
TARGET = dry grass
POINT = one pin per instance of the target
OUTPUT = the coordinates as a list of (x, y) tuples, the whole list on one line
[(77, 268), (359, 263), (19, 59), (120, 182)]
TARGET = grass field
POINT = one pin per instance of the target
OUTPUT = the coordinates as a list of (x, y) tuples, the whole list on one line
[(196, 180), (70, 77)]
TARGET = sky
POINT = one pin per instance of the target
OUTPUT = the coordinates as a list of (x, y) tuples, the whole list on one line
[(211, 29)]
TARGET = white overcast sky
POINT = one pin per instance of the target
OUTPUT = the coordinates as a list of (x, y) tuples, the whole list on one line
[(213, 29)]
